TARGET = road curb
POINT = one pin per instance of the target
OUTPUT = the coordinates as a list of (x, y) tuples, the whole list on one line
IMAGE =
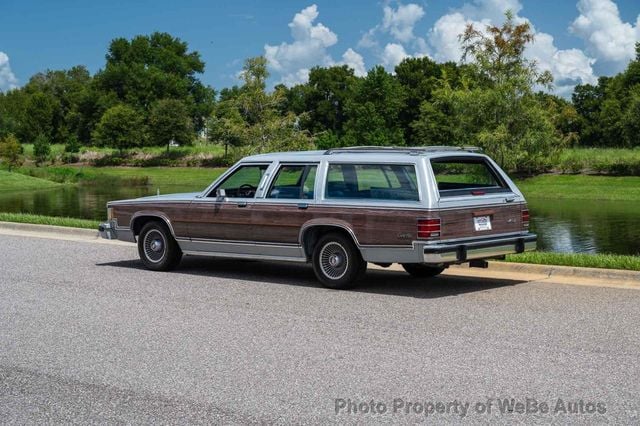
[(49, 229), (566, 271)]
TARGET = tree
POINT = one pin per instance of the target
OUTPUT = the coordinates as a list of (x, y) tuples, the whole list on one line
[(40, 110), (169, 121), (251, 120), (420, 77), (11, 151), (41, 149), (66, 89), (500, 113), (120, 127), (325, 98), (498, 53), (631, 120), (373, 111), (146, 69)]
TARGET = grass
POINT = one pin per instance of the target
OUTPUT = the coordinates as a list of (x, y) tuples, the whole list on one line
[(48, 220), (161, 177), (580, 260), (196, 177), (10, 181), (614, 161), (582, 187)]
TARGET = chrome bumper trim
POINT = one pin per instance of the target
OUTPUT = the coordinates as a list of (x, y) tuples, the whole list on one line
[(111, 231), (478, 249), (107, 231)]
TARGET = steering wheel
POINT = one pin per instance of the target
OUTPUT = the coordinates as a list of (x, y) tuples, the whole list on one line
[(247, 190)]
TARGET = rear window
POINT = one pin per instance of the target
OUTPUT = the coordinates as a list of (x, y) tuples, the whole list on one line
[(372, 181), (466, 176)]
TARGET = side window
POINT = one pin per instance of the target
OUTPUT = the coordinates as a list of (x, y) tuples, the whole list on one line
[(293, 182), (465, 176), (372, 181), (242, 183)]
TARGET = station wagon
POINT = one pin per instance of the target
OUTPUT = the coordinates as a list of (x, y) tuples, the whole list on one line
[(424, 208)]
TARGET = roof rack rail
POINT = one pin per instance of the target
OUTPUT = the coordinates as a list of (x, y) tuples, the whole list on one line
[(411, 150)]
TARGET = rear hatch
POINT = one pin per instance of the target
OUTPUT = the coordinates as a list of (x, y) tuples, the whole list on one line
[(476, 199)]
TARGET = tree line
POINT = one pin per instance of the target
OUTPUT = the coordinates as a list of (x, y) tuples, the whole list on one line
[(149, 94)]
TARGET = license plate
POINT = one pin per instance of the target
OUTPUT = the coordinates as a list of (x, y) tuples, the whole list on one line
[(482, 223)]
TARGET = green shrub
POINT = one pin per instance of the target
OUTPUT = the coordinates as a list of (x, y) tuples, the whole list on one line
[(41, 149)]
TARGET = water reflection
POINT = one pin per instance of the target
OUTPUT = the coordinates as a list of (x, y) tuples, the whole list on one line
[(580, 226), (562, 225)]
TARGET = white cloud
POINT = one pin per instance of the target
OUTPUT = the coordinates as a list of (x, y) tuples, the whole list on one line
[(444, 36), (401, 21), (8, 80), (606, 36), (309, 48), (292, 61), (492, 10), (368, 39), (568, 67), (355, 61), (392, 55)]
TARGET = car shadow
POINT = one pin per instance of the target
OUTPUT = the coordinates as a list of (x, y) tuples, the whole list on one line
[(376, 281)]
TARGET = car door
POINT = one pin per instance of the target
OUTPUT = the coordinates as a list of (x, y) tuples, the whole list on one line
[(224, 214), (287, 204)]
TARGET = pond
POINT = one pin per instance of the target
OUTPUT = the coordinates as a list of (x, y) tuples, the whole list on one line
[(579, 226)]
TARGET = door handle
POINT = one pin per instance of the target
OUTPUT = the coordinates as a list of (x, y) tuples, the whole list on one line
[(242, 204), (303, 206)]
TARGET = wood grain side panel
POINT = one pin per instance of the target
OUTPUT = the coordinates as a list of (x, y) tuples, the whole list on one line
[(459, 223), (177, 213)]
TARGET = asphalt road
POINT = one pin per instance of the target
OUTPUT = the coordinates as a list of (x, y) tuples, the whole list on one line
[(87, 335)]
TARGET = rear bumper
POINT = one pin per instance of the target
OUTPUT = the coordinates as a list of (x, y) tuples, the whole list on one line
[(464, 250)]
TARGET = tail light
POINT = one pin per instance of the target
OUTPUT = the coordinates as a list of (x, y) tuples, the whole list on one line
[(525, 218), (428, 228)]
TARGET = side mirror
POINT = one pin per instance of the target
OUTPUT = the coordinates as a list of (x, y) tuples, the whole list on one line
[(221, 193)]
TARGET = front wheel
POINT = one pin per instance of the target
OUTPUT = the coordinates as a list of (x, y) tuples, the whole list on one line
[(157, 248), (337, 262), (420, 270)]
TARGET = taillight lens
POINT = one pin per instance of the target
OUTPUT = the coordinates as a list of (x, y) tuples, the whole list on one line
[(525, 218), (429, 228)]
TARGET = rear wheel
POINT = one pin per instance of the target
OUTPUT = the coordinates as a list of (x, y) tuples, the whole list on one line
[(337, 262), (157, 248), (420, 270)]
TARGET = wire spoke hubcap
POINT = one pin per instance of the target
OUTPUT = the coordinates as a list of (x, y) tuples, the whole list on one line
[(154, 246), (334, 260)]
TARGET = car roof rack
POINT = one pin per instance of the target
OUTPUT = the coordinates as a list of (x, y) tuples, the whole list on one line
[(411, 150)]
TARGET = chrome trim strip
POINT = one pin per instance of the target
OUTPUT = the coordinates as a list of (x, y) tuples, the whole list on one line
[(244, 256), (152, 213), (243, 249), (307, 225), (236, 242), (522, 234)]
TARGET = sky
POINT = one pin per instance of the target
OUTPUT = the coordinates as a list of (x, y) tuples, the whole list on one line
[(577, 40)]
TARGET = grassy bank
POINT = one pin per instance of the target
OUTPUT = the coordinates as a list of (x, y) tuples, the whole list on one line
[(580, 260), (19, 182), (48, 220), (201, 153), (610, 161), (582, 187), (160, 177)]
